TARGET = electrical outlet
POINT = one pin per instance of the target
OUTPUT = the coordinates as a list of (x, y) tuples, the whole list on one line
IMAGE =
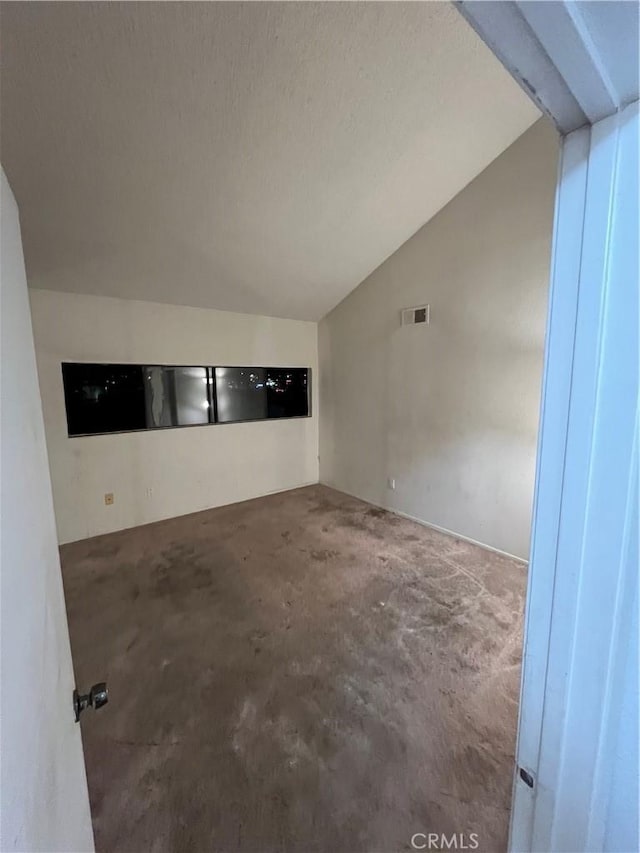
[(108, 498), (391, 483), (148, 493)]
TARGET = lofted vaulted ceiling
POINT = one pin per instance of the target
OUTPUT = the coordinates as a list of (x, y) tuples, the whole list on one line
[(257, 157)]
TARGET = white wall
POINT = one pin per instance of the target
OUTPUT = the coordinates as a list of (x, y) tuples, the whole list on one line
[(450, 411), (44, 790), (165, 473)]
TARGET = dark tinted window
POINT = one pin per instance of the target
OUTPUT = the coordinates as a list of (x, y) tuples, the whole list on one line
[(253, 393), (176, 396), (287, 393), (103, 398), (241, 394)]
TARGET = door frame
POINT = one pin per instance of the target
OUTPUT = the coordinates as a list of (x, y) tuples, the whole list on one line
[(575, 646)]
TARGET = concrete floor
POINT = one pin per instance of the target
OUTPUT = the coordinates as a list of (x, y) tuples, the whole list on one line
[(301, 672)]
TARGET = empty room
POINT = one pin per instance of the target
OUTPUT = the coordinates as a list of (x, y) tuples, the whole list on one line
[(283, 305)]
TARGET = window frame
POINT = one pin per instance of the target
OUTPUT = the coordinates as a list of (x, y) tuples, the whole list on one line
[(211, 395)]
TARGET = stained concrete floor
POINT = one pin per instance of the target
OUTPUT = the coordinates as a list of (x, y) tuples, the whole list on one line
[(301, 672)]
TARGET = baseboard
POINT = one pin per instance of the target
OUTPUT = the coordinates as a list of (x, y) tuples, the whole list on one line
[(458, 536), (434, 527), (190, 512), (406, 515)]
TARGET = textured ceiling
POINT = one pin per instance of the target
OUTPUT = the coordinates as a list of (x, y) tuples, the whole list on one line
[(259, 157)]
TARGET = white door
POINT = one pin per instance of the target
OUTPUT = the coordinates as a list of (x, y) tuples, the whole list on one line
[(45, 806), (578, 733)]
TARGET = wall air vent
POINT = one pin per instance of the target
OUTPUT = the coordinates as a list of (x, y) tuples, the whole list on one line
[(417, 315)]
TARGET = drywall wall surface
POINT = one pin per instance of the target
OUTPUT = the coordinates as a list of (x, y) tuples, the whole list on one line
[(449, 410), (163, 473), (45, 805)]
